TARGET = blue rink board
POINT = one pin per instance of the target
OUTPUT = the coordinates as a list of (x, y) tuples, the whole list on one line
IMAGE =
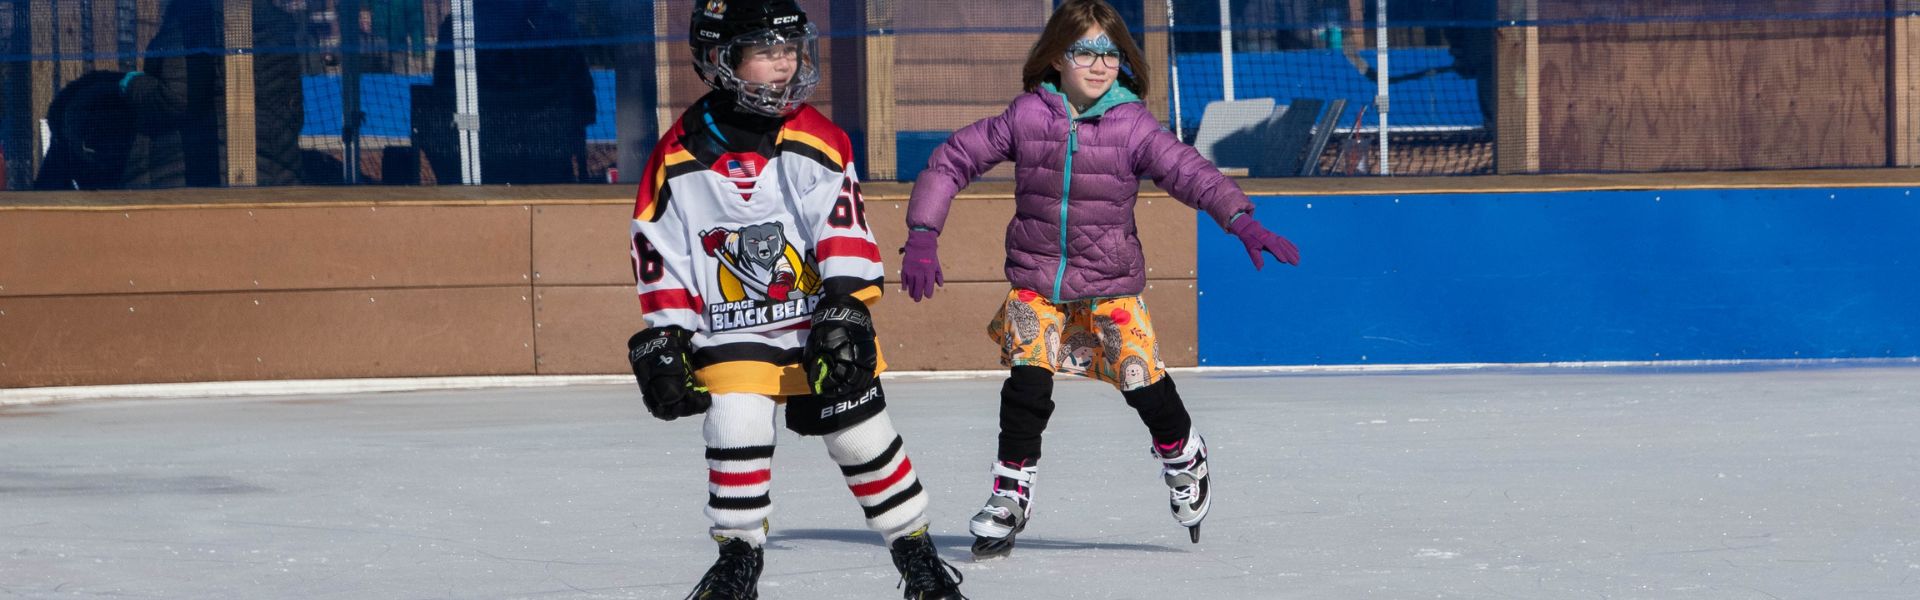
[(1570, 276)]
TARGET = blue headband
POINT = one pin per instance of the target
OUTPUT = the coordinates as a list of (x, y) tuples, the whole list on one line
[(1099, 45)]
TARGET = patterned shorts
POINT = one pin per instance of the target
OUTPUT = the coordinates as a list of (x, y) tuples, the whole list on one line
[(1109, 339)]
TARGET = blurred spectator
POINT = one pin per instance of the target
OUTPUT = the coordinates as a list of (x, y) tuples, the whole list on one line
[(91, 139), (181, 98), (399, 28), (535, 101), (1472, 47)]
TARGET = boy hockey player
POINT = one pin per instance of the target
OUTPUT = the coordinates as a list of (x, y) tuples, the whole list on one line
[(755, 266)]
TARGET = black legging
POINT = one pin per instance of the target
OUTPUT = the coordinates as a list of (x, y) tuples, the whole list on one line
[(1026, 402)]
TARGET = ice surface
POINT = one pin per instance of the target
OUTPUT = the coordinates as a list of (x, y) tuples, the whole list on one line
[(1538, 483)]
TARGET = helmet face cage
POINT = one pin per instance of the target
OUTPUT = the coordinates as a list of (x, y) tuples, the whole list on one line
[(716, 61)]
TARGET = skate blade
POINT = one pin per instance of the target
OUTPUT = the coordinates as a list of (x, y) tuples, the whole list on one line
[(985, 549), (1194, 533)]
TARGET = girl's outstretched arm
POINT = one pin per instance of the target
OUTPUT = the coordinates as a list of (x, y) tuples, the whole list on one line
[(1184, 174), (970, 152), (1180, 170)]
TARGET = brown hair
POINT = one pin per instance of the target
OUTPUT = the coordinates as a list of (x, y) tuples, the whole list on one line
[(1064, 28)]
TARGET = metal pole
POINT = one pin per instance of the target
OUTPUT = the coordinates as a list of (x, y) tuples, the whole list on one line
[(1173, 70), (353, 52), (466, 117), (1226, 49), (1380, 78)]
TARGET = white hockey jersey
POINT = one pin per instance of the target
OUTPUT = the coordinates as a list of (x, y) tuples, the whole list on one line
[(738, 247)]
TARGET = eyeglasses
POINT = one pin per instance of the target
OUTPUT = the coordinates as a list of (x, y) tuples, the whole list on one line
[(1085, 58)]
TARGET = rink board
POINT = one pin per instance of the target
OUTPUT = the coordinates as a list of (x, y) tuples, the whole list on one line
[(1713, 274)]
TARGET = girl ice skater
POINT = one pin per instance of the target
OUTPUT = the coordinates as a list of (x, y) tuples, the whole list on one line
[(1081, 139)]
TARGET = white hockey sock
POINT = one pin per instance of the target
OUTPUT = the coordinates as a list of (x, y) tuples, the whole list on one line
[(872, 457), (740, 435)]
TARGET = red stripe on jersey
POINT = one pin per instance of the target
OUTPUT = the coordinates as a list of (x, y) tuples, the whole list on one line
[(880, 485), (748, 478), (668, 298), (848, 246)]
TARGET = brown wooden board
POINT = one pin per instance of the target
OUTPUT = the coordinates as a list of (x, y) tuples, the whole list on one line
[(289, 248), (161, 338), (973, 243), (582, 245), (1713, 95), (584, 329)]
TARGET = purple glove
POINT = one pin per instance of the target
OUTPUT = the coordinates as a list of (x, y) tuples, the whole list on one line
[(920, 269), (1257, 238)]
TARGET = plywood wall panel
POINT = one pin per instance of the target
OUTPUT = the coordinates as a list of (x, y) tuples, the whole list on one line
[(1717, 95), (199, 250), (161, 338), (584, 329), (582, 245)]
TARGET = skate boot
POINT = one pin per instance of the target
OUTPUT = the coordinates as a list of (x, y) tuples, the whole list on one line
[(735, 576), (1007, 510), (1184, 468), (922, 573)]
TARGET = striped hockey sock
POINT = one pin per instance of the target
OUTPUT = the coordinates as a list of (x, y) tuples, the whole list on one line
[(740, 435), (875, 464)]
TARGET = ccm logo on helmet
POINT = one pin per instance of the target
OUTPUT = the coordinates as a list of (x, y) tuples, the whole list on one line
[(785, 20)]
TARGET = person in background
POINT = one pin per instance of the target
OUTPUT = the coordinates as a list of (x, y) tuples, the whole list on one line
[(180, 99)]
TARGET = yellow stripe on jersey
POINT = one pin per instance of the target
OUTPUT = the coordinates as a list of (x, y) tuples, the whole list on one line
[(754, 377), (766, 379), (868, 295), (673, 159), (817, 144)]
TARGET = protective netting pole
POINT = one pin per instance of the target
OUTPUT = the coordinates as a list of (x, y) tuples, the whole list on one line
[(353, 57), (466, 116), (242, 167), (1380, 79), (1226, 50), (1173, 75)]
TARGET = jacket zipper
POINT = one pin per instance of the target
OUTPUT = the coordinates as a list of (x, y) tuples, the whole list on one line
[(1066, 189)]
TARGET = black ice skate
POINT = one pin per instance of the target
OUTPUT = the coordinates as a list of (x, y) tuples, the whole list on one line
[(735, 576), (1006, 512), (1184, 468), (922, 573)]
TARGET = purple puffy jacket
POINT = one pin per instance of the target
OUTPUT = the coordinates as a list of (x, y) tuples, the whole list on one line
[(1097, 160)]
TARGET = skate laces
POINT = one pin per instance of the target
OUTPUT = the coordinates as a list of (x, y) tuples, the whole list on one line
[(921, 570), (1182, 460), (1186, 494), (733, 576)]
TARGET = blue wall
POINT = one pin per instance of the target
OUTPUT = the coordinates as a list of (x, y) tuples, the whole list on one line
[(1574, 276)]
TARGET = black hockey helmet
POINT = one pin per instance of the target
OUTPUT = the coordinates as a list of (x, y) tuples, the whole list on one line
[(722, 32)]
